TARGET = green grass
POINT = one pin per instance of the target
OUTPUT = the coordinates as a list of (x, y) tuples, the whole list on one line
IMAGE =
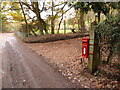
[(60, 32)]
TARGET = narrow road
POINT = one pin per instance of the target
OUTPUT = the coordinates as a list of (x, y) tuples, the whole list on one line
[(22, 68)]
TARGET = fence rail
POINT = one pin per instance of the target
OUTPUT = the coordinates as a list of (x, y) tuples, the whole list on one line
[(22, 35)]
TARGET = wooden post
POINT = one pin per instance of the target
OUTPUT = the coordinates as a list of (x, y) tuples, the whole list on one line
[(93, 59)]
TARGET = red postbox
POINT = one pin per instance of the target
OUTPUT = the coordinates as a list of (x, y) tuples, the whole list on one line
[(85, 47)]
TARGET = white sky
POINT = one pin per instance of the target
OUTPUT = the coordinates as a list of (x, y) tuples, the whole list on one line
[(44, 14)]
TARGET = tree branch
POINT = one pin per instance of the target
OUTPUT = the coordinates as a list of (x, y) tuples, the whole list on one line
[(60, 9), (43, 7), (28, 5), (66, 11)]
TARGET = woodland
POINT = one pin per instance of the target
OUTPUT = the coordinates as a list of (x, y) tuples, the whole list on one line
[(46, 21)]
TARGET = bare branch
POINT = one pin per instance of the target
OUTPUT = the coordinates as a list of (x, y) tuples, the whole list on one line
[(66, 10), (28, 5), (61, 9), (43, 7), (55, 6), (58, 5)]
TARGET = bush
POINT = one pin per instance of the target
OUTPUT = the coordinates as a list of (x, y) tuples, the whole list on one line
[(109, 35)]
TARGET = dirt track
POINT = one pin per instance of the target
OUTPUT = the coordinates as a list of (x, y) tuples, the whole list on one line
[(22, 68)]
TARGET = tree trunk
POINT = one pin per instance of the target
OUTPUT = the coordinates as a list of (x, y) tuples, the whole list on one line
[(44, 26), (52, 26), (0, 20), (109, 57), (35, 8), (27, 27), (64, 27), (59, 25), (78, 24), (41, 23), (82, 22), (119, 56), (99, 16), (60, 22), (118, 11), (52, 20), (33, 32)]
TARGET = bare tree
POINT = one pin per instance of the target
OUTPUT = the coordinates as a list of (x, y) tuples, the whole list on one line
[(35, 7)]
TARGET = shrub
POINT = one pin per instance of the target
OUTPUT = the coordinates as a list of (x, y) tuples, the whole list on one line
[(108, 33)]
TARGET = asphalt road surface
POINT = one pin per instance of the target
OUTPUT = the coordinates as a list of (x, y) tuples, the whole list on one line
[(22, 68)]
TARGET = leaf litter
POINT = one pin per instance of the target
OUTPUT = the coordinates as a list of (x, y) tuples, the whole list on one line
[(65, 56)]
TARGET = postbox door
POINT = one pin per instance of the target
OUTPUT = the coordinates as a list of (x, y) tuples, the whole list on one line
[(85, 51), (85, 47)]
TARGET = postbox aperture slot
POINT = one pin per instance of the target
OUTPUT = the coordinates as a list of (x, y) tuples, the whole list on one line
[(84, 42)]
